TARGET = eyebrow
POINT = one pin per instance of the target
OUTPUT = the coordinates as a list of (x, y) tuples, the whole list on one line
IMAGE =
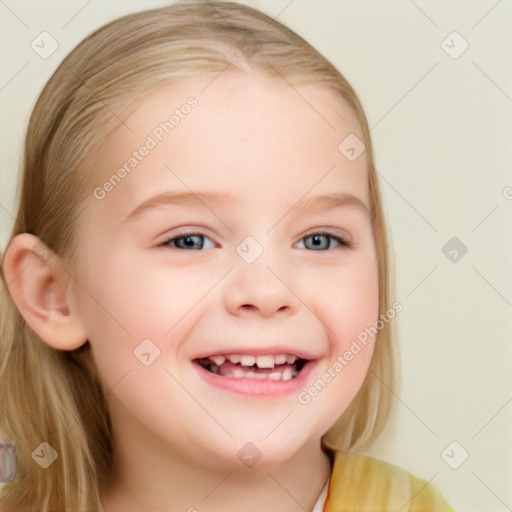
[(177, 198), (316, 203), (330, 201)]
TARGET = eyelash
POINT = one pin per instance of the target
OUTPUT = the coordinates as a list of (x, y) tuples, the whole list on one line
[(344, 244)]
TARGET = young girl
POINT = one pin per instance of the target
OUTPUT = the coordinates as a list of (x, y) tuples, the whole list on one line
[(199, 313)]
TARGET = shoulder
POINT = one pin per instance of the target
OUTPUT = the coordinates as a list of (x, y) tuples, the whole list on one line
[(362, 483)]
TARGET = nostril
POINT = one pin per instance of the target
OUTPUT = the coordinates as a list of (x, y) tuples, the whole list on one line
[(265, 309), (249, 307)]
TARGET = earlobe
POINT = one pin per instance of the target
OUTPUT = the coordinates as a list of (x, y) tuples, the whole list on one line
[(43, 292)]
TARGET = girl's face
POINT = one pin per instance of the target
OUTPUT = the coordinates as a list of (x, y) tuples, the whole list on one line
[(221, 245)]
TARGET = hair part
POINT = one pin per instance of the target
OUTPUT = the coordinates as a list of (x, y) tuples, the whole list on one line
[(49, 395)]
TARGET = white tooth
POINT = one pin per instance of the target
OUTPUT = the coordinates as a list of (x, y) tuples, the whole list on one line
[(287, 374), (275, 376), (280, 359), (261, 376), (246, 360), (218, 360), (238, 373), (234, 358), (265, 361), (251, 375), (291, 359)]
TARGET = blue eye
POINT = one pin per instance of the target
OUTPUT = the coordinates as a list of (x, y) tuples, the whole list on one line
[(322, 242), (192, 241), (197, 242)]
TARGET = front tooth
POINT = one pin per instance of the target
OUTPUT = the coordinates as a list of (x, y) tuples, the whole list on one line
[(291, 359), (218, 360), (275, 376), (234, 358), (246, 360), (265, 361), (287, 374), (280, 359), (238, 373)]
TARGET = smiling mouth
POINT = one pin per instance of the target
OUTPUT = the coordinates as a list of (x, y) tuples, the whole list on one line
[(279, 367)]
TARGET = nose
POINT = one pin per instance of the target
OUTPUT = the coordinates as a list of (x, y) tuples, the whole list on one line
[(258, 289)]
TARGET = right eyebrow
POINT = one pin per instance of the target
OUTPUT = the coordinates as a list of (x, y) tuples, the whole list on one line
[(169, 198)]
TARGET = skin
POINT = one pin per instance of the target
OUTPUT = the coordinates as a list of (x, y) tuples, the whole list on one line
[(176, 436)]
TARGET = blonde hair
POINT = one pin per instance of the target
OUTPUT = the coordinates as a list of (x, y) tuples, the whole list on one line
[(49, 395)]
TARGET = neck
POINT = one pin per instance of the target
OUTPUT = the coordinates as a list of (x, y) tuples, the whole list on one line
[(145, 477)]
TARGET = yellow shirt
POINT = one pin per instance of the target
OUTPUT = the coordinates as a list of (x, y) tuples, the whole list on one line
[(360, 483)]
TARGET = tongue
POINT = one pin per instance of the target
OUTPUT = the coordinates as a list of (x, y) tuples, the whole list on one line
[(281, 372)]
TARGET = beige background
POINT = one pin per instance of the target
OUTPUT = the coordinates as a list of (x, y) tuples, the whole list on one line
[(442, 131)]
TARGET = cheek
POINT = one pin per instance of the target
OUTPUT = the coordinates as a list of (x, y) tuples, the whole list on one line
[(349, 302), (348, 307), (358, 304), (127, 301)]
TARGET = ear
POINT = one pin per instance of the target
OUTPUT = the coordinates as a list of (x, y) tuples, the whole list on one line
[(43, 292)]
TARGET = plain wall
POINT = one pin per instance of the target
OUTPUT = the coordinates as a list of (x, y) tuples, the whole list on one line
[(441, 127)]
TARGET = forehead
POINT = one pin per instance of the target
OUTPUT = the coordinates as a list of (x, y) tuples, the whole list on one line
[(239, 133)]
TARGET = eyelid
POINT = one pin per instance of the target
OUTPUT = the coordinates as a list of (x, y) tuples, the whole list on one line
[(182, 232), (344, 238), (339, 233)]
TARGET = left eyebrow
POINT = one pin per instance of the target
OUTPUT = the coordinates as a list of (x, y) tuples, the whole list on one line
[(330, 201), (325, 202)]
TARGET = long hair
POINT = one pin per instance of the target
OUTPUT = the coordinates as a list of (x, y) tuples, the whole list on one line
[(52, 396)]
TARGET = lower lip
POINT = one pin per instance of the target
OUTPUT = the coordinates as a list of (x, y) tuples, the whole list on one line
[(256, 387)]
